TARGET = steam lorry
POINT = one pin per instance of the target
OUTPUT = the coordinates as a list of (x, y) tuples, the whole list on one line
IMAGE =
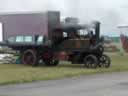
[(43, 37)]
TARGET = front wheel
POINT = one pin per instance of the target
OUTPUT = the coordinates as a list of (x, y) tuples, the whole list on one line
[(105, 61), (91, 61)]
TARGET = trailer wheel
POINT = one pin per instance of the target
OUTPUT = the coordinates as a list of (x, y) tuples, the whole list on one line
[(29, 57), (105, 61), (91, 61)]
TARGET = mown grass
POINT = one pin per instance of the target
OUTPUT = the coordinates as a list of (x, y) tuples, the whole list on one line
[(12, 73)]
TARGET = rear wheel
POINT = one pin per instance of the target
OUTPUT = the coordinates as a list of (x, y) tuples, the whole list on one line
[(91, 61), (29, 57)]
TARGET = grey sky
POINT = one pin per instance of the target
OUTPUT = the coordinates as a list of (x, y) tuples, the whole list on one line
[(110, 12)]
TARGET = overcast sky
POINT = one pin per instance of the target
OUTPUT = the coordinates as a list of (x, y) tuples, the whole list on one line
[(110, 13)]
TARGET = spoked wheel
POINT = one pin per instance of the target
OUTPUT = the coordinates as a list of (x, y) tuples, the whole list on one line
[(105, 61), (91, 61), (29, 57)]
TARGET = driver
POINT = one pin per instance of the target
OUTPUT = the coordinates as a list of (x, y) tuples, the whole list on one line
[(90, 34), (73, 34), (92, 37)]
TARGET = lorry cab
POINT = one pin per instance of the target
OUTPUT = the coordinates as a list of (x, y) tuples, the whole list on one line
[(76, 37)]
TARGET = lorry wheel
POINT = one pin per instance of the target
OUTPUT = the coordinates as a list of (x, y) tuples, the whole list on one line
[(105, 61), (29, 57), (91, 61)]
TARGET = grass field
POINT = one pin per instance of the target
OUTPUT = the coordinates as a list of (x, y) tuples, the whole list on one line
[(12, 73)]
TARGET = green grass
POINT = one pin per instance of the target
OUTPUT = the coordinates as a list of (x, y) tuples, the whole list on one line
[(12, 73)]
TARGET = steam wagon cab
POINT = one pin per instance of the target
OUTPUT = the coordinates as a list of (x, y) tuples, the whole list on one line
[(81, 44)]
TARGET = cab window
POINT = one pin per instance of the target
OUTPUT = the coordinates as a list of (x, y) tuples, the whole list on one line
[(11, 39), (19, 39), (24, 39), (65, 34), (28, 39), (40, 39)]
